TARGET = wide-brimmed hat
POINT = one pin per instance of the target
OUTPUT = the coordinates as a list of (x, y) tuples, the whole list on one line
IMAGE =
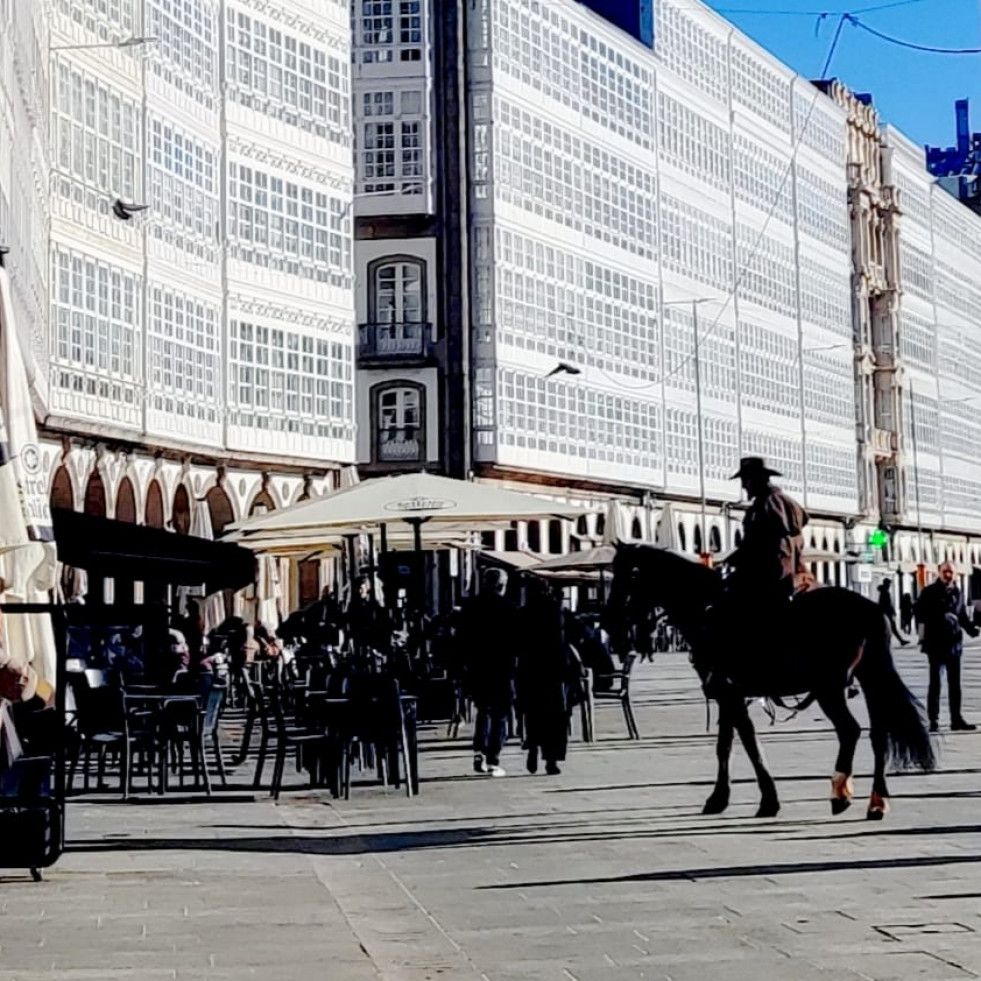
[(750, 466)]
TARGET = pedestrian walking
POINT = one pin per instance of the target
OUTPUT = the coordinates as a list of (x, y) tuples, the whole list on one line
[(544, 676), (906, 613), (889, 610), (489, 626), (942, 619)]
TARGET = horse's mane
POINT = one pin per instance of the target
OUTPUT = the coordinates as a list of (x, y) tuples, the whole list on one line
[(686, 573)]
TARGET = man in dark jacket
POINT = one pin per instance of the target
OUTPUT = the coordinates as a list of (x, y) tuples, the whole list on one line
[(769, 557), (942, 618), (489, 636)]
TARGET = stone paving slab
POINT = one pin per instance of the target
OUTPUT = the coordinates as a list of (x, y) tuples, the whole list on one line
[(608, 871)]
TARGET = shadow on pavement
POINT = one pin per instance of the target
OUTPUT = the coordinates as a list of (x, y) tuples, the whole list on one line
[(393, 841), (750, 871)]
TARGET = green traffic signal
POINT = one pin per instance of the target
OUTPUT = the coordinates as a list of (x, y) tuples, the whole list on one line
[(878, 538)]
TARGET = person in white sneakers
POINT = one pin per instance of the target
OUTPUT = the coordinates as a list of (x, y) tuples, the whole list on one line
[(489, 638)]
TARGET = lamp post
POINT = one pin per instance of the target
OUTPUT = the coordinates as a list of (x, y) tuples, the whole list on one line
[(920, 565), (137, 41), (706, 553)]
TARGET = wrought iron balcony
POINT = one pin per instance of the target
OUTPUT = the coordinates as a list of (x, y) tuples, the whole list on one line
[(394, 342)]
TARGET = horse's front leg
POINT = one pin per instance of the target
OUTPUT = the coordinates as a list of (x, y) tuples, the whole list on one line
[(769, 802), (719, 798)]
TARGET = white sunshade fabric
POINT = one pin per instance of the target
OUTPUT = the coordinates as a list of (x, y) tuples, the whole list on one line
[(398, 503), (590, 560)]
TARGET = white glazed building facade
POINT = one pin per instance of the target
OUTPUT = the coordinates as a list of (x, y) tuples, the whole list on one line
[(206, 344)]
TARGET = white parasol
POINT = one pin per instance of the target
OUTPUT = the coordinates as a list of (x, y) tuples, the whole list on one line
[(415, 500), (213, 606), (617, 525), (28, 560)]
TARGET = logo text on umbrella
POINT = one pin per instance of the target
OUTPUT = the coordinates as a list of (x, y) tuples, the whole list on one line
[(420, 504)]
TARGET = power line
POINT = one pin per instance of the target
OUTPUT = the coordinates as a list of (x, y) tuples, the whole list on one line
[(815, 13), (911, 45), (777, 198)]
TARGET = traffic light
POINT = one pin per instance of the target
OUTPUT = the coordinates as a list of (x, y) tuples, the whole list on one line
[(878, 538)]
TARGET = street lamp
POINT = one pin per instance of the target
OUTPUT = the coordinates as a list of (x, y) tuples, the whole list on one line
[(564, 368), (706, 554), (129, 42), (126, 211)]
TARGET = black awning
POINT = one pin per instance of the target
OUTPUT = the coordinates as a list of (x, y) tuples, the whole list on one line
[(120, 550)]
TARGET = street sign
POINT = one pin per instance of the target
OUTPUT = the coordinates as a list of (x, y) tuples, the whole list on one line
[(863, 573), (868, 556)]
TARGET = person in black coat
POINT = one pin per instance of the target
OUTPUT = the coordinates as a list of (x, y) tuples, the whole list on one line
[(488, 638), (544, 666), (941, 615)]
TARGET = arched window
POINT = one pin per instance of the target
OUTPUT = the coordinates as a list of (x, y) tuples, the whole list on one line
[(636, 529), (555, 536), (399, 422), (682, 538), (698, 540), (582, 525), (126, 502), (154, 505), (220, 508), (398, 295), (262, 503), (488, 540), (181, 517), (715, 540), (62, 494), (737, 538), (534, 536), (396, 307), (95, 496), (511, 540)]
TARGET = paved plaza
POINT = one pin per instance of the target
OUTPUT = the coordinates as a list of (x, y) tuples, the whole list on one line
[(605, 872)]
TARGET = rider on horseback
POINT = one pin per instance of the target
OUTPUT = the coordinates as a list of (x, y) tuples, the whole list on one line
[(769, 557), (765, 565)]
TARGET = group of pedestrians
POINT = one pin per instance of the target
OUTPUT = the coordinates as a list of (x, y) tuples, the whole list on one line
[(517, 657)]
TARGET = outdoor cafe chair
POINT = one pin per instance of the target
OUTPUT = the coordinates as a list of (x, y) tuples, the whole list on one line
[(616, 688), (375, 721), (292, 737), (181, 727), (211, 727)]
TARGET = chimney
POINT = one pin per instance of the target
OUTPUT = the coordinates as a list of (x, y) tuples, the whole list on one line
[(962, 108)]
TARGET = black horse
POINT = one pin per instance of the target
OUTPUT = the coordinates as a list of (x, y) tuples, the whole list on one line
[(837, 634)]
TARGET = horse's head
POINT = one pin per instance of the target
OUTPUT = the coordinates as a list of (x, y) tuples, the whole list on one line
[(647, 576), (630, 585)]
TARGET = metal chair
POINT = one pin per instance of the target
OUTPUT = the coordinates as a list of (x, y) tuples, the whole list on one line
[(618, 690)]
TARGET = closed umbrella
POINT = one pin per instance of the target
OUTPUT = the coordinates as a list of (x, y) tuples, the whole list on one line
[(28, 560), (617, 525), (667, 536), (213, 606)]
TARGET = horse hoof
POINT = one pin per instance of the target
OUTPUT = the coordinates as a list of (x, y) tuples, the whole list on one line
[(768, 809), (715, 805), (839, 805), (878, 807)]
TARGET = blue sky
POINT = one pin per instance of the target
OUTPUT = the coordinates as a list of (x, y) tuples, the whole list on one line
[(914, 91)]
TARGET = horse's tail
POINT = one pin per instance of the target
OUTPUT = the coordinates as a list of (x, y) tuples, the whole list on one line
[(891, 704)]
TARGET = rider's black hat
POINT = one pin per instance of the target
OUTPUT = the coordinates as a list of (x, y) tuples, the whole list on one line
[(754, 466)]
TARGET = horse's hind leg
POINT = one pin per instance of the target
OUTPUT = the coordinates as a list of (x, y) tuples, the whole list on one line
[(769, 802), (835, 707), (879, 801), (719, 798)]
